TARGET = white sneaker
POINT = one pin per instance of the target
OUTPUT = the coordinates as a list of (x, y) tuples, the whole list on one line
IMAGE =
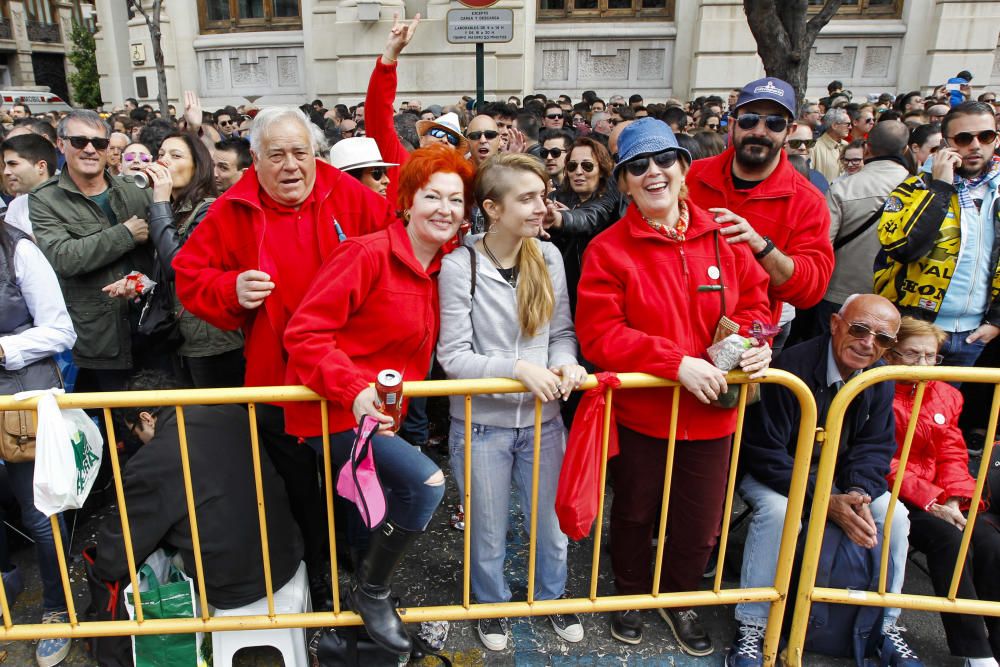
[(493, 632), (567, 626)]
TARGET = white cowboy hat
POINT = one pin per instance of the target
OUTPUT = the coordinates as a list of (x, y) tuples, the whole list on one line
[(448, 123), (357, 153)]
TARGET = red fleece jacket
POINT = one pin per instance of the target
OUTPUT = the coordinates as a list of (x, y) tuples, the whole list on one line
[(379, 124), (786, 208), (376, 308), (639, 309), (244, 230)]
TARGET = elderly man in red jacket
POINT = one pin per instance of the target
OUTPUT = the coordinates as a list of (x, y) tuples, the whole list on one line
[(761, 200), (253, 259)]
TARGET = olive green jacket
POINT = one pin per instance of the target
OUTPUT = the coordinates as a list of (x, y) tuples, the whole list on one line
[(88, 252)]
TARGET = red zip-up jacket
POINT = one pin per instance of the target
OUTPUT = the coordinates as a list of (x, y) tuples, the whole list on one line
[(231, 239), (639, 309), (938, 466), (786, 208), (375, 307)]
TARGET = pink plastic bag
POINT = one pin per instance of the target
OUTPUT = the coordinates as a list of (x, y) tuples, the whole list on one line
[(358, 480)]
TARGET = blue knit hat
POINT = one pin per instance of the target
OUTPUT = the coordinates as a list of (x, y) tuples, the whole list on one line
[(646, 136)]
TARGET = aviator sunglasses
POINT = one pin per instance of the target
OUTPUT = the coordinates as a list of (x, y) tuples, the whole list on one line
[(79, 143), (861, 332), (438, 133), (775, 123), (965, 138), (586, 165), (639, 166)]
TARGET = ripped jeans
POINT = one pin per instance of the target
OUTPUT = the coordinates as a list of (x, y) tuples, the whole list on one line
[(404, 472)]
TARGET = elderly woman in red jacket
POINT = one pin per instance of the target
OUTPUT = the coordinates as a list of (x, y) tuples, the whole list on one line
[(375, 306), (937, 489), (653, 288)]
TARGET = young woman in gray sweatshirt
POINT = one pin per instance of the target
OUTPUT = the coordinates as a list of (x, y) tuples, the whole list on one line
[(505, 313)]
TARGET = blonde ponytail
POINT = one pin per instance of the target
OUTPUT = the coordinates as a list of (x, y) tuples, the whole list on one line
[(535, 297)]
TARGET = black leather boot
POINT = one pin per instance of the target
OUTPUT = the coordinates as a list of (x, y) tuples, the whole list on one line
[(370, 594)]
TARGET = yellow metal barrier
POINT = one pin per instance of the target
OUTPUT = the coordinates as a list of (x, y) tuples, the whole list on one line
[(808, 592), (775, 594)]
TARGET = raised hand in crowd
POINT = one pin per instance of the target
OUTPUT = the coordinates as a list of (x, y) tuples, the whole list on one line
[(515, 140), (192, 110), (399, 36)]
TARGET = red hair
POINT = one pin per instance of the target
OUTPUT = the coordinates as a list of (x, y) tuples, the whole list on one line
[(424, 163)]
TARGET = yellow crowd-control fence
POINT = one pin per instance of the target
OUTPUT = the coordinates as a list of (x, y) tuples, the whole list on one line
[(830, 438), (584, 602)]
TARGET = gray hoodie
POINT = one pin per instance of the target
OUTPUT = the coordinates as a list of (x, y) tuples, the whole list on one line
[(483, 339)]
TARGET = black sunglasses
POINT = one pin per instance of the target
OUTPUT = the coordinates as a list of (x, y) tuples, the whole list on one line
[(586, 165), (801, 143), (554, 153), (438, 133), (861, 332), (640, 165), (774, 123), (489, 134), (79, 143), (553, 116), (965, 138), (376, 173)]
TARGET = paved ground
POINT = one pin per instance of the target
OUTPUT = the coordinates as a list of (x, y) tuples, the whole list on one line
[(433, 576)]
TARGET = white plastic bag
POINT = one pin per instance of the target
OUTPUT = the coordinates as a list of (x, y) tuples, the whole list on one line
[(68, 453)]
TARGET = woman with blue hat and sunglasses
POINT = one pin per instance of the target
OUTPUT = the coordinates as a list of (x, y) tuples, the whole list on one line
[(653, 290)]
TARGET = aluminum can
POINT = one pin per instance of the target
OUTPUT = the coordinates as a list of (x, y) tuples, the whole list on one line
[(389, 385)]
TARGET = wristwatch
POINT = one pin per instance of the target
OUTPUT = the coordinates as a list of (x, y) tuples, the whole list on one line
[(766, 250)]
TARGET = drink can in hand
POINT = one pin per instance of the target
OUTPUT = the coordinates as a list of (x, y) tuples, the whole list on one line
[(389, 385)]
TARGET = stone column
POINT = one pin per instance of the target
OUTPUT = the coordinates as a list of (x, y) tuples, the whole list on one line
[(724, 52), (22, 72)]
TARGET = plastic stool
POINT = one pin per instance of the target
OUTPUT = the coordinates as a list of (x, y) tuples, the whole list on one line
[(292, 598)]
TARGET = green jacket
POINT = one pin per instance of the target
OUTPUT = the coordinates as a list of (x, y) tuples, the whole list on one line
[(88, 251)]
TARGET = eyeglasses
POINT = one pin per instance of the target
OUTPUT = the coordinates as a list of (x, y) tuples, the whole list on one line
[(478, 134), (853, 161), (862, 332), (79, 143), (554, 153), (586, 165), (965, 138), (438, 133), (132, 156), (712, 127), (774, 123), (868, 121), (801, 143), (553, 116), (227, 122), (914, 358), (376, 173), (640, 165)]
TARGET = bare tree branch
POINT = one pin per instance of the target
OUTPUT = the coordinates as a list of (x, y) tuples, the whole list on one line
[(816, 23), (762, 17)]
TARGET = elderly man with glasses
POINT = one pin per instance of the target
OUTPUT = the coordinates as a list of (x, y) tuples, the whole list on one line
[(759, 199), (859, 335), (91, 225), (939, 260), (825, 154)]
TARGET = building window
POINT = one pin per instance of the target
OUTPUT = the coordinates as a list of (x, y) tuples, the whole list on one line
[(229, 15), (40, 11), (872, 9), (551, 10)]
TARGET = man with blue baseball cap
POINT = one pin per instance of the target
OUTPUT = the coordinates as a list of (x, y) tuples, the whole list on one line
[(760, 199)]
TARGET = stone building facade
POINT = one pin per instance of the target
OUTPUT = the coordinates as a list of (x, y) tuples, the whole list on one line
[(292, 51)]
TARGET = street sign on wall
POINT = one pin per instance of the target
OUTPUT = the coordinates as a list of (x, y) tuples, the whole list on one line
[(480, 26)]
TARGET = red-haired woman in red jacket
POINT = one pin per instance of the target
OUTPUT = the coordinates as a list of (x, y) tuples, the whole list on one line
[(653, 288), (937, 489), (375, 306)]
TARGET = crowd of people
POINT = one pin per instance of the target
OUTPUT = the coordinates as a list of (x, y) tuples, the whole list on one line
[(535, 239)]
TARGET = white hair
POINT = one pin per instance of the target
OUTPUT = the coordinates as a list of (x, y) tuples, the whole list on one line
[(835, 115), (847, 302), (267, 117)]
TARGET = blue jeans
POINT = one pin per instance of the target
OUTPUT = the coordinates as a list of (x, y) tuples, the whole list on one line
[(957, 352), (502, 455), (403, 471), (760, 555), (21, 476)]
